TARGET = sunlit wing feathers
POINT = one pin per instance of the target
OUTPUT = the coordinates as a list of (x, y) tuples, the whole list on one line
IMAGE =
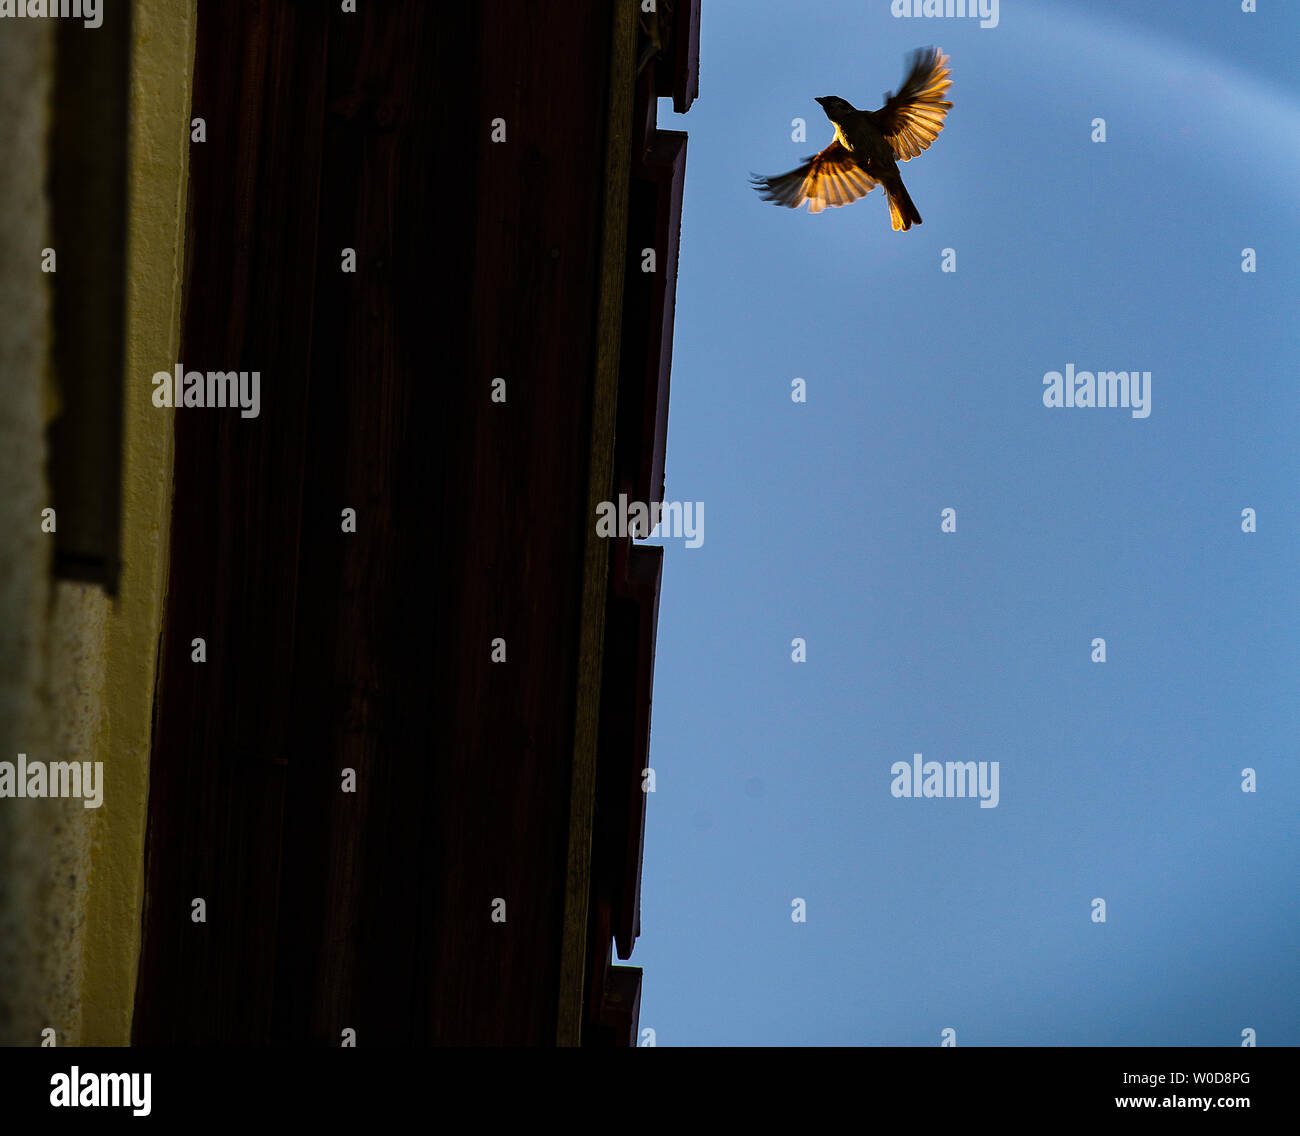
[(829, 178), (912, 119)]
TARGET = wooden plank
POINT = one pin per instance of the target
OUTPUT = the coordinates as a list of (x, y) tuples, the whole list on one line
[(221, 727), (372, 650), (600, 486)]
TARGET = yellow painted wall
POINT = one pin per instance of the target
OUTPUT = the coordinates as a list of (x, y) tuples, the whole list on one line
[(162, 68), (76, 668)]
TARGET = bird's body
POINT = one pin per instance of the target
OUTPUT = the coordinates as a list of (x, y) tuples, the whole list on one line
[(869, 144), (856, 132)]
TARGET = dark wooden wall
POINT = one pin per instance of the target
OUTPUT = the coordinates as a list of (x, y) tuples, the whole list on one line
[(371, 650)]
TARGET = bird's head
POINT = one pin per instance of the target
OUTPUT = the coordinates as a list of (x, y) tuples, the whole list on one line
[(836, 108)]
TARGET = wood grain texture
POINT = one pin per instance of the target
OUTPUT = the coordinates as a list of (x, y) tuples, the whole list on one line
[(372, 650)]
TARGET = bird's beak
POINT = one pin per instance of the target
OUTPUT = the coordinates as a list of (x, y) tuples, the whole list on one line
[(822, 100)]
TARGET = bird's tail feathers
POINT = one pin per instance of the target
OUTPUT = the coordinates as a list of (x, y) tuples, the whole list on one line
[(902, 210)]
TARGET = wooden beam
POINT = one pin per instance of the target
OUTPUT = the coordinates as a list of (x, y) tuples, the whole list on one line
[(613, 251)]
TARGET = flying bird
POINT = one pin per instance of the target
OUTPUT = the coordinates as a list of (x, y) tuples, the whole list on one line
[(869, 144)]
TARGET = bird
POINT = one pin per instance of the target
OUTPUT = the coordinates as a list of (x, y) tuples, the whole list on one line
[(869, 144)]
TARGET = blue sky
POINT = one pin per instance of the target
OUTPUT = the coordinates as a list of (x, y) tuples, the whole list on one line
[(1119, 780)]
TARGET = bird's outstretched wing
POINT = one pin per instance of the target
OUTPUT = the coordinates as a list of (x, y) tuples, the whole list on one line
[(829, 178), (912, 119)]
